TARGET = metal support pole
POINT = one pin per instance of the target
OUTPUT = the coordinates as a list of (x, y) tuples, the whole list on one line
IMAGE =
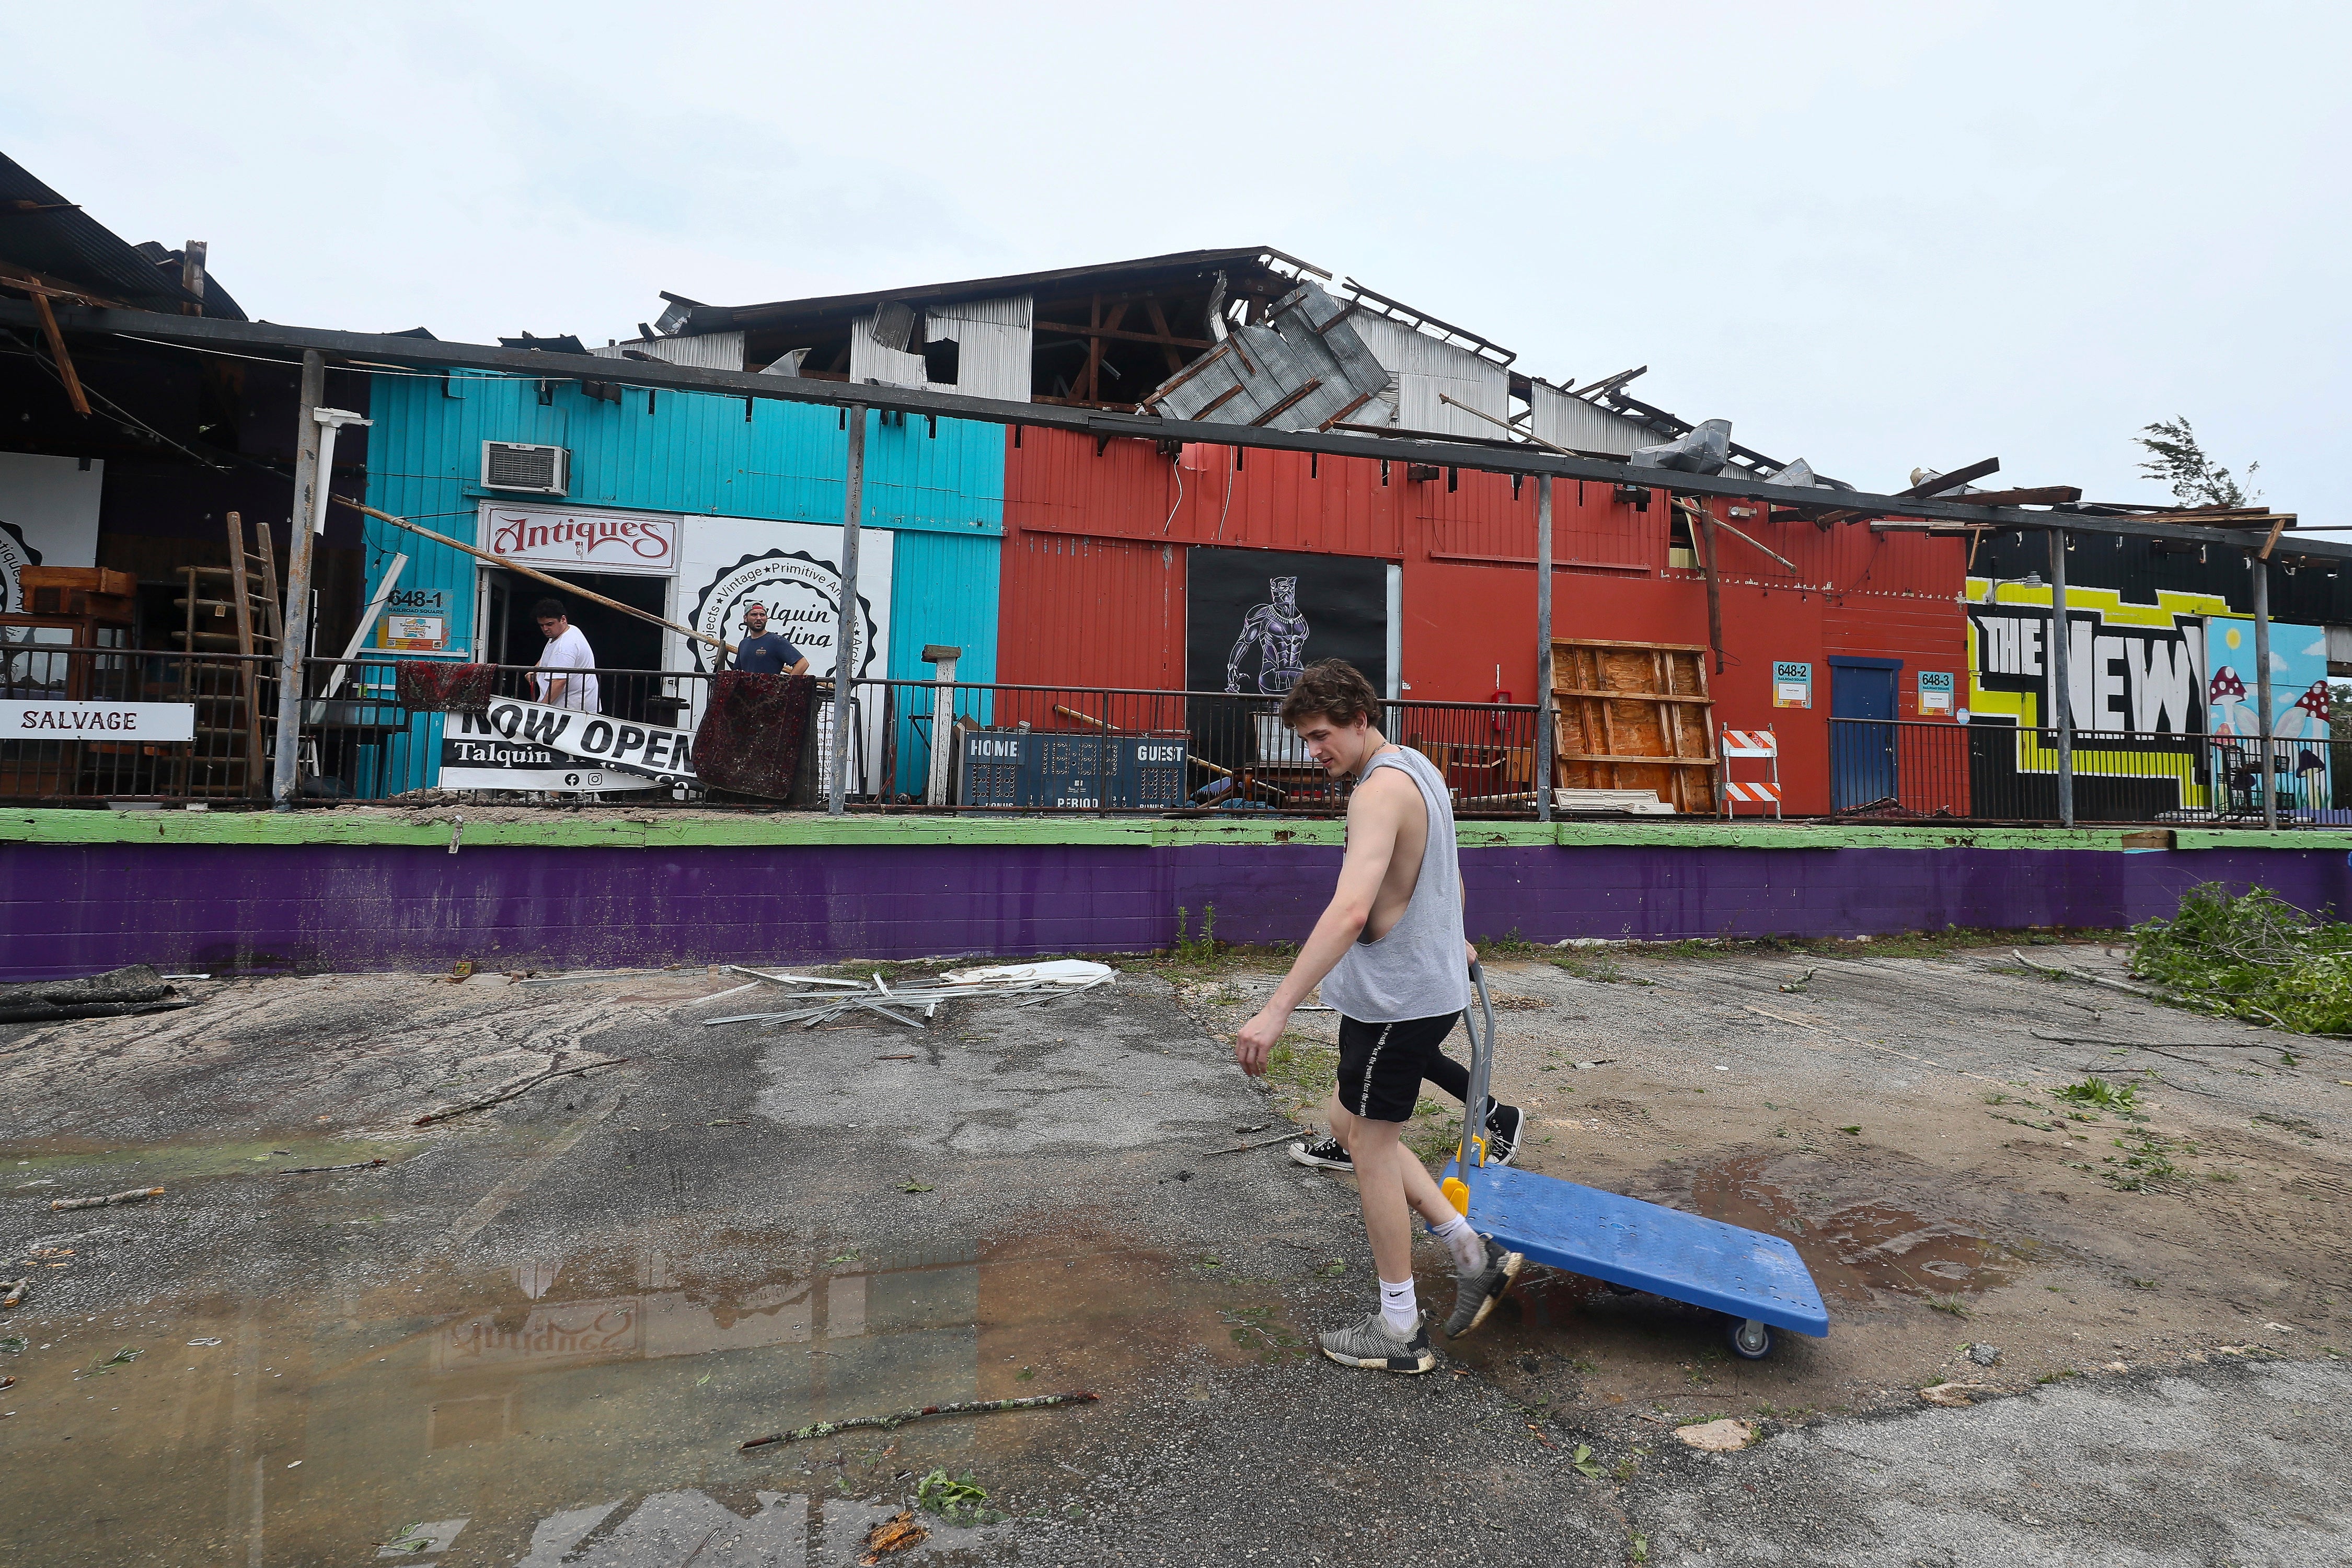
[(295, 625), (2265, 771), (2062, 645), (1540, 772), (844, 665)]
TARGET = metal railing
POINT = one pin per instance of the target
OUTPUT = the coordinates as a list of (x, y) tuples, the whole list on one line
[(227, 701), (1987, 771), (971, 746), (988, 746)]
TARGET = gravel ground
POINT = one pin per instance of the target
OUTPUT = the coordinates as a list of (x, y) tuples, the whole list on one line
[(537, 1332)]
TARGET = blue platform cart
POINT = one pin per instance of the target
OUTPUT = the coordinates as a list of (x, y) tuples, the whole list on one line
[(1756, 1281)]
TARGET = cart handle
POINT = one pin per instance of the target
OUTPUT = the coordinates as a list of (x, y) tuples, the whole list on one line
[(1480, 1025)]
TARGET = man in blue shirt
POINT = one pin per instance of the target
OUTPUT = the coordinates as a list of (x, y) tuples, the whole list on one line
[(763, 652)]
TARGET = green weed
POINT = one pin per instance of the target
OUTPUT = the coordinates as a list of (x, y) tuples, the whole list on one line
[(1584, 1463), (2100, 1092), (1199, 950), (1951, 1305), (959, 1502), (1589, 964)]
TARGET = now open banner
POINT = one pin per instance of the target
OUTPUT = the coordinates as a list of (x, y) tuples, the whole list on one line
[(515, 744)]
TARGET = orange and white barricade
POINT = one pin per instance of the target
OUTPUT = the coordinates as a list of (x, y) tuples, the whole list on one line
[(1759, 792)]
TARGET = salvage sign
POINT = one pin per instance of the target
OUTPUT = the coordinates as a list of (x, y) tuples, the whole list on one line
[(514, 744), (98, 720)]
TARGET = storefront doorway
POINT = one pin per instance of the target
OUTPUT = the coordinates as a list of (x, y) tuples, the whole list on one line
[(621, 643)]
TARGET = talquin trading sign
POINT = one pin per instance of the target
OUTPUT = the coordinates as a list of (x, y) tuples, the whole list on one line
[(792, 569), (520, 745), (634, 544)]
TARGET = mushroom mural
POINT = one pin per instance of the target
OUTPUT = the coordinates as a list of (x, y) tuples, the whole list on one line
[(2225, 697)]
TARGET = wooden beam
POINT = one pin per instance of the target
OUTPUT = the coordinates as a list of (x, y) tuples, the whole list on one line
[(1168, 338), (2038, 495), (2272, 542), (1165, 340), (66, 365), (1219, 401), (1954, 480), (1272, 413)]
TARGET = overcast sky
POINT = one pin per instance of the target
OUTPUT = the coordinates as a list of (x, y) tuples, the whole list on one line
[(1873, 236)]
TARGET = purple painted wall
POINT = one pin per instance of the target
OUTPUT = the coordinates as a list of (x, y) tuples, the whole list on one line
[(67, 910)]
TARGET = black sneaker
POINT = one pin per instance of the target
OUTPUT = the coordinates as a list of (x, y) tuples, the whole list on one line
[(1326, 1154), (1474, 1294), (1505, 1124), (1370, 1344)]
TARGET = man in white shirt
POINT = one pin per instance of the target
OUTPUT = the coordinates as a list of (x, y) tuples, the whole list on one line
[(566, 650)]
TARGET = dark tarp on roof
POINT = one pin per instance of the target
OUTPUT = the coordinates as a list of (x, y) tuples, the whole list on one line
[(42, 232)]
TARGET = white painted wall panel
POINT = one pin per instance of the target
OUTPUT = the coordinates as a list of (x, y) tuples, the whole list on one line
[(704, 351), (993, 339), (1423, 368), (1572, 422), (993, 342)]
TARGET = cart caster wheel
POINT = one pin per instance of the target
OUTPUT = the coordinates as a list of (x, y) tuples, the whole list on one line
[(1751, 1339)]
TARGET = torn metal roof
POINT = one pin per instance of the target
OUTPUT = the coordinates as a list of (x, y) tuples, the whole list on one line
[(1305, 368), (44, 234), (1144, 272)]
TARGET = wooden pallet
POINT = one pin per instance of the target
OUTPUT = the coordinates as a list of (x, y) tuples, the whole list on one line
[(1635, 716)]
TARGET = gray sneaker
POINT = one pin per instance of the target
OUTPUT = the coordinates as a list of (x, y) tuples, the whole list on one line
[(1371, 1343), (1475, 1293)]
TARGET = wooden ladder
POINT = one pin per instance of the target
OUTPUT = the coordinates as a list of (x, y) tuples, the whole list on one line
[(244, 596)]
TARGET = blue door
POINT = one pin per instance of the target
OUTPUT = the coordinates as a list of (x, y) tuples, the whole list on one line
[(1862, 731)]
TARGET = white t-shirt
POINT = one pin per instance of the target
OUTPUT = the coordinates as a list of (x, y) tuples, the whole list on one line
[(570, 651)]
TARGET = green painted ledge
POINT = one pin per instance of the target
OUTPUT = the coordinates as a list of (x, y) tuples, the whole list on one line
[(2317, 838), (621, 829)]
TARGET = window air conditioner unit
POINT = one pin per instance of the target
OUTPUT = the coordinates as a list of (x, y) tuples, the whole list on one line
[(543, 470)]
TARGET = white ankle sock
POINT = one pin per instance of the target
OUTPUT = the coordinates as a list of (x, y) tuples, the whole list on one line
[(1399, 1311), (1469, 1248)]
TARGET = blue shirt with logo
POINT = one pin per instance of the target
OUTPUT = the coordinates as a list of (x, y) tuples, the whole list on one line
[(766, 654)]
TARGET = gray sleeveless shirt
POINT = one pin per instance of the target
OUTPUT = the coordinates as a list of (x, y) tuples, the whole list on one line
[(1418, 970)]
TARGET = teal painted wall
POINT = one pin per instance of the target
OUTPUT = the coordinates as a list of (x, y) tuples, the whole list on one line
[(938, 485), (943, 589)]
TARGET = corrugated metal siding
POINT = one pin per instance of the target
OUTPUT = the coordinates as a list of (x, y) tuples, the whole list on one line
[(993, 339), (705, 350), (1480, 520), (2305, 595), (690, 453), (869, 360), (943, 589), (1097, 612), (1572, 422), (1424, 367), (1277, 501), (696, 453)]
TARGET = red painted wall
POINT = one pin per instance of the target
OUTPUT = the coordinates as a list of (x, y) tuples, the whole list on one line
[(1094, 577)]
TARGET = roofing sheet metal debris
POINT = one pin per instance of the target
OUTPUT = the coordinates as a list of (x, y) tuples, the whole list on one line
[(822, 1000), (1302, 368)]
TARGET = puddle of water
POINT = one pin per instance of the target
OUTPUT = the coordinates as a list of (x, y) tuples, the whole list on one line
[(315, 1430), (1854, 1245), (30, 1163)]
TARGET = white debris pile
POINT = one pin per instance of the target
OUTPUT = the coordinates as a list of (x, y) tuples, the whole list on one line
[(816, 1000)]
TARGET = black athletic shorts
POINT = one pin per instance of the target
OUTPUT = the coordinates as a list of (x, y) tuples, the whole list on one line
[(1381, 1065)]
